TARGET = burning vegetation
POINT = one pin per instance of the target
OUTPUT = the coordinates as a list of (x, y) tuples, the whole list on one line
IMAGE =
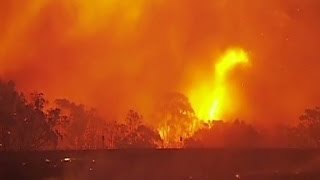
[(160, 74), (32, 123), (211, 98)]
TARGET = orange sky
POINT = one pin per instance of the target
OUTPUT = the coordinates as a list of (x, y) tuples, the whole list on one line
[(117, 55)]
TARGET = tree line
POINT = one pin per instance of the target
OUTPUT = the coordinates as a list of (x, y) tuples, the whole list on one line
[(30, 122)]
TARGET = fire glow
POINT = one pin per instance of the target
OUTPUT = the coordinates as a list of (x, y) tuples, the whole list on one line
[(119, 55), (209, 99)]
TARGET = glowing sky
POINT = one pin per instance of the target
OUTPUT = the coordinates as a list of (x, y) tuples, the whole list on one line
[(117, 55)]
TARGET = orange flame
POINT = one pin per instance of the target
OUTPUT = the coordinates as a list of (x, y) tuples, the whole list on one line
[(209, 99)]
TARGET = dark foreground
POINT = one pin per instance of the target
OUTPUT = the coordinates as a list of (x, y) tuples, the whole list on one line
[(163, 164)]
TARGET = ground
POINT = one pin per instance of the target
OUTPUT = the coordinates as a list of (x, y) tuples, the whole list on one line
[(181, 164)]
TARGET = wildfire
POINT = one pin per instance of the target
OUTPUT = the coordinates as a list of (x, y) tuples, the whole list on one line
[(209, 99)]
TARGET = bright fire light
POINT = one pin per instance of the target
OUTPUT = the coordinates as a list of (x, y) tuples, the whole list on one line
[(211, 98)]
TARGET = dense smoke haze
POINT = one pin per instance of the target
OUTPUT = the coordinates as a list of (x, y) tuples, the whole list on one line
[(117, 55)]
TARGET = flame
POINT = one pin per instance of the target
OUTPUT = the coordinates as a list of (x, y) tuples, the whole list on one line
[(163, 132), (211, 98)]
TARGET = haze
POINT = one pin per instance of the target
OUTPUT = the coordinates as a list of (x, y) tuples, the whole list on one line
[(117, 55)]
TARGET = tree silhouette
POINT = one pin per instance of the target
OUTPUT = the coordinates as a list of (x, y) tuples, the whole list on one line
[(133, 121), (11, 103), (111, 134), (94, 131), (57, 121), (236, 134), (137, 135), (24, 124), (78, 122), (307, 132)]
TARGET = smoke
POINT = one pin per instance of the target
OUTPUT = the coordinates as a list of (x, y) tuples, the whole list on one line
[(117, 55)]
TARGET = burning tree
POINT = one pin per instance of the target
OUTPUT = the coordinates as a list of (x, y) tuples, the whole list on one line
[(177, 119)]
